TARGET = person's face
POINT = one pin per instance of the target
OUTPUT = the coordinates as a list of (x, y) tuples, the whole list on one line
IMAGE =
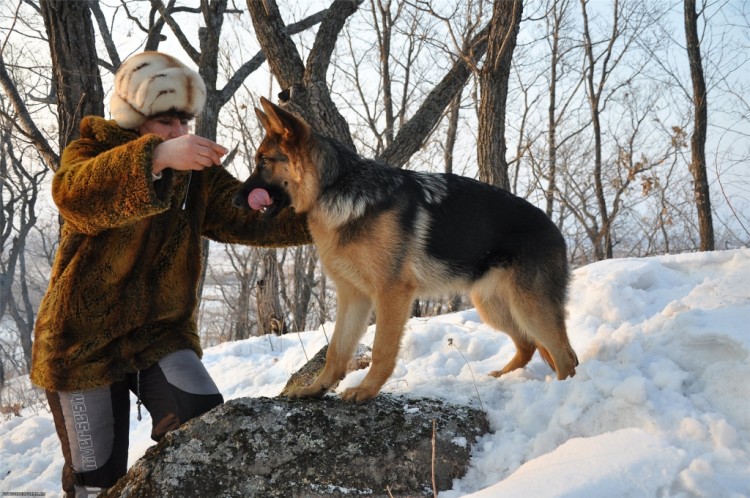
[(167, 127)]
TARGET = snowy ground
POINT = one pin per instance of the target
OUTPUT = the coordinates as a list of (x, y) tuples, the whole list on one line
[(660, 405)]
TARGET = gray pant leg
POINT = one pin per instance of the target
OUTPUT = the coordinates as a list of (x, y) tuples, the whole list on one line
[(184, 370), (175, 390), (89, 421), (90, 424)]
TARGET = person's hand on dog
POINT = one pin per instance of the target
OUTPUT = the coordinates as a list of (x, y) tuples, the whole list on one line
[(188, 152)]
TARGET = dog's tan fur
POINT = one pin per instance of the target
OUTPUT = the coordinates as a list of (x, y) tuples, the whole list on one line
[(367, 275)]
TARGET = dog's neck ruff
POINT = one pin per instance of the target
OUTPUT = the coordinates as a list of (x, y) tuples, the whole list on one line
[(335, 212)]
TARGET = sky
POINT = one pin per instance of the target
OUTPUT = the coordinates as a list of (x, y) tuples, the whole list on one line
[(659, 407)]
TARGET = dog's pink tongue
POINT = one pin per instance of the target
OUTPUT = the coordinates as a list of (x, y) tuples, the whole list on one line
[(258, 199)]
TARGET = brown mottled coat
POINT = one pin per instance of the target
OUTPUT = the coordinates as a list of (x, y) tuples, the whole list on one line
[(123, 287)]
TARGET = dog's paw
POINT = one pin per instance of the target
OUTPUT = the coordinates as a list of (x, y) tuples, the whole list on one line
[(496, 373), (566, 375), (307, 392), (567, 368), (358, 394)]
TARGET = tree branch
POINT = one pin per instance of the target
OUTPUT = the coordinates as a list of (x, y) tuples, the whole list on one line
[(412, 135), (283, 58), (23, 120), (106, 35), (325, 41), (258, 59), (166, 14)]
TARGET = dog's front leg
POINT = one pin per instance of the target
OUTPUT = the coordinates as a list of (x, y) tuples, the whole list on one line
[(392, 311), (353, 310)]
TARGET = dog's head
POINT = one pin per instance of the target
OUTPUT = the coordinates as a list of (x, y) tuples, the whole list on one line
[(284, 174)]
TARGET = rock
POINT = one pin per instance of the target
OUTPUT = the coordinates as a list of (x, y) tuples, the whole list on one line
[(310, 371), (276, 447)]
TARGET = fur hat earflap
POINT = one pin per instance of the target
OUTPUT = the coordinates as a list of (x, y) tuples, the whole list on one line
[(151, 83)]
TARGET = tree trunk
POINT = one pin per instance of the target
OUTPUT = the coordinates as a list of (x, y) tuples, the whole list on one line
[(493, 83), (270, 314), (454, 112), (556, 26), (384, 33), (305, 90), (241, 325), (603, 240), (19, 191), (698, 140), (305, 264), (72, 42), (24, 315)]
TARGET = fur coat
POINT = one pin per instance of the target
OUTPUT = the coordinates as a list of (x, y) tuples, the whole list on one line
[(122, 293)]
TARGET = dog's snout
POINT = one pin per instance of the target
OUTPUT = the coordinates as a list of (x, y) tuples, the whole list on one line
[(240, 200)]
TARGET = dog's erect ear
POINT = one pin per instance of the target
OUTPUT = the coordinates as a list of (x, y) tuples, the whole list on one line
[(277, 121), (264, 121)]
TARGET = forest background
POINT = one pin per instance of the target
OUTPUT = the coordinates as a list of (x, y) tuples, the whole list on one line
[(592, 110)]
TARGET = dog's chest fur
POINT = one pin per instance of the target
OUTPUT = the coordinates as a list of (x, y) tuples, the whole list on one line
[(365, 251), (374, 235)]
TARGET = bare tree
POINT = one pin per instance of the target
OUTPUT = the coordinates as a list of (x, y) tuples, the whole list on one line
[(383, 20), (594, 90), (303, 282), (238, 295), (561, 48), (20, 185), (629, 21), (393, 58), (669, 209), (463, 36), (271, 316), (723, 57), (410, 37), (698, 139), (23, 116), (70, 33), (24, 149), (493, 82)]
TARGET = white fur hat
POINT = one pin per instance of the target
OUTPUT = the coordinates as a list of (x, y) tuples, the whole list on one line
[(150, 83)]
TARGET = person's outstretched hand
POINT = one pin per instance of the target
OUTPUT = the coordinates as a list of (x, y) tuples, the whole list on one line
[(188, 152)]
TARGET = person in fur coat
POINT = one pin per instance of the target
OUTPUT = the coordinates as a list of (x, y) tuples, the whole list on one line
[(137, 194)]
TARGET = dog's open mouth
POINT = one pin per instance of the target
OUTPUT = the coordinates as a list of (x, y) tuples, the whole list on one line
[(259, 200), (267, 199)]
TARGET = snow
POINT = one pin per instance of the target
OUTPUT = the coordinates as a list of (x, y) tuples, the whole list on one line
[(660, 405)]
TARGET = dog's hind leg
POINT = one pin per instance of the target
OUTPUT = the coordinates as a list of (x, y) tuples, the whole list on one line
[(353, 313), (392, 311), (543, 319), (494, 311)]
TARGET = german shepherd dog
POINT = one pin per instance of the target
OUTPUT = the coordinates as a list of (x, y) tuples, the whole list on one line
[(386, 236)]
